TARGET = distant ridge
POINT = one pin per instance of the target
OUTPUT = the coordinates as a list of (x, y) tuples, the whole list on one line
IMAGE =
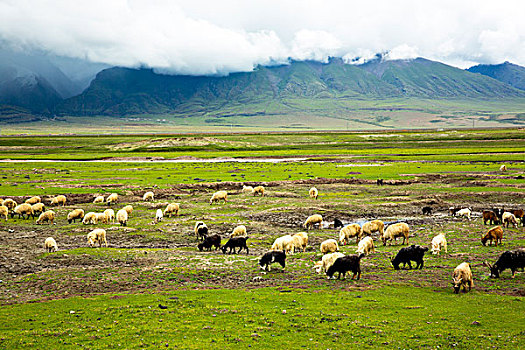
[(506, 72)]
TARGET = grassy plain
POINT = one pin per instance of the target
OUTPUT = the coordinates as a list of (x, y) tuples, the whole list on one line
[(226, 301)]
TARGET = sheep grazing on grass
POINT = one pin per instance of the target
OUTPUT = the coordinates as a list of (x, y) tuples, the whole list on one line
[(235, 242), (509, 218), (247, 189), (239, 231), (101, 218), (408, 254), (300, 241), (462, 277), (217, 196), (98, 200), (209, 242), (494, 234), (439, 242), (329, 246), (110, 215), (158, 216), (201, 230), (271, 257), (34, 200), (349, 231), (312, 220), (47, 216), (122, 217), (366, 246), (373, 226), (98, 235), (38, 208), (464, 212), (112, 199), (338, 223), (503, 168), (284, 244), (426, 210), (4, 211), (148, 196), (59, 200), (511, 259), (327, 261), (259, 190), (313, 193), (129, 209), (519, 214), (10, 204), (394, 231), (89, 218), (22, 210), (73, 215), (344, 264), (172, 208), (489, 215), (50, 245)]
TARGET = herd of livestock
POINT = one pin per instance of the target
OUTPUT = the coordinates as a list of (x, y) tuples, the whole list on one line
[(332, 261)]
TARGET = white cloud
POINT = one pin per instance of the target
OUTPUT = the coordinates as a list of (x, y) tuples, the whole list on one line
[(217, 37)]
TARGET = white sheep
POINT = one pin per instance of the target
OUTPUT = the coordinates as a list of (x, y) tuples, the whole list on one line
[(366, 246), (370, 227), (38, 208), (98, 200), (327, 261), (89, 218), (50, 245), (300, 241), (110, 215), (10, 204), (509, 218), (59, 200), (439, 242), (34, 200), (101, 217), (349, 231), (239, 231), (122, 217), (158, 216), (313, 192), (148, 196), (4, 211), (128, 209), (258, 190), (217, 196), (112, 199), (503, 168), (393, 231), (47, 216), (172, 208), (462, 277), (464, 212), (247, 189), (329, 246), (312, 220), (283, 243), (23, 209), (74, 215), (97, 235)]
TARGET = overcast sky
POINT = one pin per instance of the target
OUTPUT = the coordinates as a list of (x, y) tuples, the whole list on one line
[(221, 36)]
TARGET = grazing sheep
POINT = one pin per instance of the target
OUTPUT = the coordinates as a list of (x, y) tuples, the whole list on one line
[(453, 210), (47, 216), (98, 235), (462, 277), (4, 211), (270, 257), (509, 218), (312, 220), (338, 223), (408, 254), (59, 200), (112, 199), (239, 231), (23, 209), (300, 241), (98, 200), (209, 242), (158, 216), (101, 217), (327, 261), (148, 196), (494, 234), (439, 242), (344, 264), (489, 215), (511, 259), (50, 245), (503, 168), (1, 201), (313, 193), (235, 242), (217, 196), (38, 208), (33, 200), (373, 226), (519, 214), (89, 218), (349, 231), (122, 217), (258, 190), (172, 208), (10, 204), (426, 210), (283, 243), (329, 246), (366, 246), (393, 231), (110, 215), (73, 215), (128, 209), (201, 230), (247, 189), (464, 212)]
